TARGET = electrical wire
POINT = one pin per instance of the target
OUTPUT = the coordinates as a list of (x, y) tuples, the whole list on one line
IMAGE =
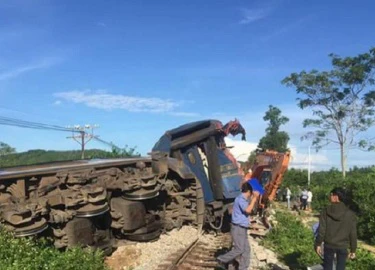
[(107, 143), (33, 125), (8, 121)]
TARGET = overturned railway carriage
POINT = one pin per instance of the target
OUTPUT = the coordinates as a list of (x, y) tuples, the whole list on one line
[(189, 178), (83, 202)]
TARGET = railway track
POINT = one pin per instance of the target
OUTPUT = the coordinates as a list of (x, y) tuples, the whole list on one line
[(199, 255)]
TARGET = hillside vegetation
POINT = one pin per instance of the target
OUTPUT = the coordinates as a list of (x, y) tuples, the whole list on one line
[(43, 156)]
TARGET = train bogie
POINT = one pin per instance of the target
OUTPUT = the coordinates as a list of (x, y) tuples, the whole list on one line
[(86, 204)]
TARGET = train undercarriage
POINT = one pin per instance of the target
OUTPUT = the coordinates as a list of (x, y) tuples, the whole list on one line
[(95, 204)]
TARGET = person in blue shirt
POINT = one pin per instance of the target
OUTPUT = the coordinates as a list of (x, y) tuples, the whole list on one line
[(242, 207)]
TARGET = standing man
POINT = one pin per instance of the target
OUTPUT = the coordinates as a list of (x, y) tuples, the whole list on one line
[(338, 231), (309, 199), (304, 199), (288, 194), (243, 205)]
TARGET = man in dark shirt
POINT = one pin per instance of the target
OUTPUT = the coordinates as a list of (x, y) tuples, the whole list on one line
[(242, 207), (338, 231)]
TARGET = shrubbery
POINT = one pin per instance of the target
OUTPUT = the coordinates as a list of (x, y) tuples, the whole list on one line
[(292, 241), (295, 245), (29, 254), (360, 185), (361, 189)]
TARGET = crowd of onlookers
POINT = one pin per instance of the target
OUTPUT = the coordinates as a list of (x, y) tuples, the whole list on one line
[(301, 199)]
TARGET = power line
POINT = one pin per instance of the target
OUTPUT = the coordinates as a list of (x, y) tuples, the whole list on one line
[(22, 123), (80, 133), (33, 125), (105, 142)]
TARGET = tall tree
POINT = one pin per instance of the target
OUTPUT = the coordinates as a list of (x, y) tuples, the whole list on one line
[(275, 139), (251, 159), (6, 149), (342, 102)]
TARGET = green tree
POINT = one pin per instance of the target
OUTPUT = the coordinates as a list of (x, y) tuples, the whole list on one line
[(341, 100), (118, 152), (252, 158), (6, 149), (275, 139)]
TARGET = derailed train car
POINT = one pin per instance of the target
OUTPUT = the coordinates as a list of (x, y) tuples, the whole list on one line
[(190, 178)]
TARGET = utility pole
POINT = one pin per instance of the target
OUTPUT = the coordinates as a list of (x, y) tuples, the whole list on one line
[(84, 137), (309, 169)]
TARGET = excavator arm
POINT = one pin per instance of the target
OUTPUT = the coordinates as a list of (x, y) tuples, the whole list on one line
[(268, 170), (234, 128)]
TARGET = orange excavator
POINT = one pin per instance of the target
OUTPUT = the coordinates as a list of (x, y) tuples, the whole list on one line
[(268, 169)]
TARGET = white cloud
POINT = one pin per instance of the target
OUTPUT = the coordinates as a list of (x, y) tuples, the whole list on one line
[(292, 26), (101, 24), (44, 63), (301, 160), (187, 114), (259, 11), (240, 149), (57, 102), (103, 100), (254, 14)]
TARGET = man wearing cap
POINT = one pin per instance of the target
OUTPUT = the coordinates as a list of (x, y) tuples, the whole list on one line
[(243, 206)]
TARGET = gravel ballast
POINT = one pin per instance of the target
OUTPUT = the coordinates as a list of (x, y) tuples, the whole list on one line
[(147, 256)]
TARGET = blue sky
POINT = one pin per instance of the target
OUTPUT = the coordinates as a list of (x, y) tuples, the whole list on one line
[(138, 68)]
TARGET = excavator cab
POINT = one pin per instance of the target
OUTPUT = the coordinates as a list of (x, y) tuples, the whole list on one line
[(265, 177)]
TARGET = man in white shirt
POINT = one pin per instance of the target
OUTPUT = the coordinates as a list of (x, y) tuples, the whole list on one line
[(288, 194), (309, 199), (303, 199)]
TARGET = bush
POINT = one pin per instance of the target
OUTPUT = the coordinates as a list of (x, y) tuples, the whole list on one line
[(295, 245), (30, 254), (361, 190), (360, 186), (292, 241)]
